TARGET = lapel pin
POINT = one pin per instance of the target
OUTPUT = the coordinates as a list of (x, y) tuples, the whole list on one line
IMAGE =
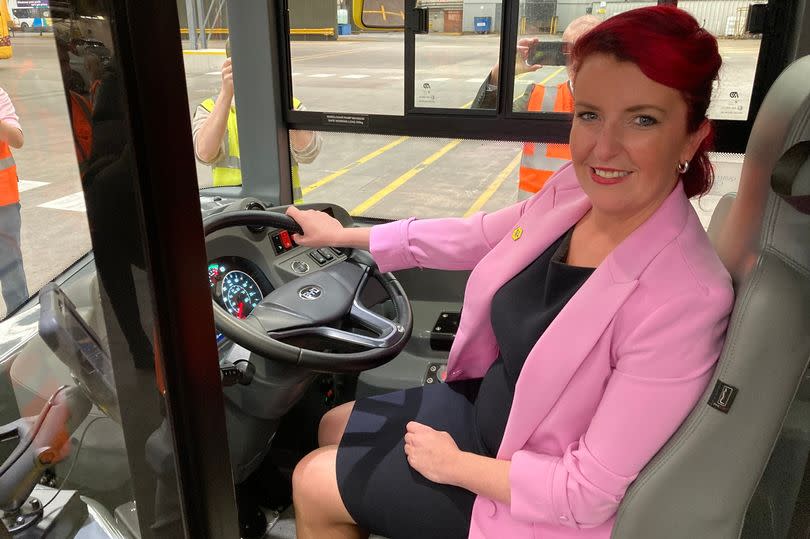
[(517, 233)]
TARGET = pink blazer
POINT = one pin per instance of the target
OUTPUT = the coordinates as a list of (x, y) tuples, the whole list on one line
[(612, 377)]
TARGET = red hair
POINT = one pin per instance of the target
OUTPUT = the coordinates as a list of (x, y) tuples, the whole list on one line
[(668, 46)]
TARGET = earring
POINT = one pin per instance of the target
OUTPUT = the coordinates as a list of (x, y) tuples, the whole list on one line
[(683, 167)]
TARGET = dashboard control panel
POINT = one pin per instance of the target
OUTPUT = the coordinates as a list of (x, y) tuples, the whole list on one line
[(282, 241)]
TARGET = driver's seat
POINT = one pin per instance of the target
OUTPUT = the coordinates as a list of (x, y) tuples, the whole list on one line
[(713, 470)]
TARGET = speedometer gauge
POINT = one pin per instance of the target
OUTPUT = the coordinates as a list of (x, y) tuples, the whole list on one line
[(240, 293)]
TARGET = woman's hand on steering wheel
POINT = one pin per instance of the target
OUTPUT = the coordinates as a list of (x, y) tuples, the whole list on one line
[(320, 229), (323, 230)]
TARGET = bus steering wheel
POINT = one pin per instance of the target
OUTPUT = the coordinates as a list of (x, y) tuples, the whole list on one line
[(310, 305)]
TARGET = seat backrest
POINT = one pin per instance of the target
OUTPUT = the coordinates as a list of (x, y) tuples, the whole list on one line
[(701, 482)]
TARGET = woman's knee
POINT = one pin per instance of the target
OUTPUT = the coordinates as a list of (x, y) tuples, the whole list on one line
[(310, 473), (315, 491), (333, 423)]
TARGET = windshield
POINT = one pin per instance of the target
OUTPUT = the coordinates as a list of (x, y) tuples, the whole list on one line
[(340, 71), (360, 78)]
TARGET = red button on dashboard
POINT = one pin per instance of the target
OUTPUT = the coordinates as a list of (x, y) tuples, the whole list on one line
[(286, 241)]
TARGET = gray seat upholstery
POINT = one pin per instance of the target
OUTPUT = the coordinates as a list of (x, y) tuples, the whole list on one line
[(713, 469)]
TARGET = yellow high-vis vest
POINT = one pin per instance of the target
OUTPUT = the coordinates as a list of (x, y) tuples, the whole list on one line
[(229, 170)]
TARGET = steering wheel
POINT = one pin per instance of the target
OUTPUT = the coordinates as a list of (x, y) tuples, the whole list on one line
[(308, 304)]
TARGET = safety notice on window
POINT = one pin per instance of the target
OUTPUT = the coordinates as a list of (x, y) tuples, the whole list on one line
[(346, 119)]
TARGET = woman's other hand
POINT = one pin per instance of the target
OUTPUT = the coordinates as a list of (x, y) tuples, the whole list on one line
[(430, 452)]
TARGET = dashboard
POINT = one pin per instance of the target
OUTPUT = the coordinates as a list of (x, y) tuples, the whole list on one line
[(245, 264)]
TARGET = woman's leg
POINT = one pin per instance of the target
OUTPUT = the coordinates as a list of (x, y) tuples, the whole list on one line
[(319, 509), (333, 423)]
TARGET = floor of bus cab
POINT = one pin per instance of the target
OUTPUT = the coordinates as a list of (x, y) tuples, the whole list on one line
[(284, 528)]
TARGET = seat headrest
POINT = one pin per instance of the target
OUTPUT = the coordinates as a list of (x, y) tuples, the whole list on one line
[(782, 123)]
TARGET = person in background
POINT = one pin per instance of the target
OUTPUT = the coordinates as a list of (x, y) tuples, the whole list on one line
[(12, 273), (216, 137), (6, 31), (539, 160)]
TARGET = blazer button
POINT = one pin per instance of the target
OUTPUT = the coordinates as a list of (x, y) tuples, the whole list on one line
[(457, 372), (490, 508), (563, 518)]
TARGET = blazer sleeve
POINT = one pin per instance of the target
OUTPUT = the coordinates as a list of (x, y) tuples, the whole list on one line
[(449, 244), (662, 368)]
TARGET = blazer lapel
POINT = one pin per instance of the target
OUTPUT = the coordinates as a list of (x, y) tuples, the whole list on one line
[(540, 226), (559, 352), (574, 332)]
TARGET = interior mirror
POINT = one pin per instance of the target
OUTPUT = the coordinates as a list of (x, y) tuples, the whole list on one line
[(379, 14)]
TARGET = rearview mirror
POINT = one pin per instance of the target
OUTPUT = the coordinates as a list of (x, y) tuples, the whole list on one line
[(379, 14)]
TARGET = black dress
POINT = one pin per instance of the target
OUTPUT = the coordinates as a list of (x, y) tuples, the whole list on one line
[(379, 488)]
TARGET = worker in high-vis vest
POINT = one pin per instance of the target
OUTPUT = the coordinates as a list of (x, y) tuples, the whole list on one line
[(12, 273), (216, 138), (539, 160), (542, 159)]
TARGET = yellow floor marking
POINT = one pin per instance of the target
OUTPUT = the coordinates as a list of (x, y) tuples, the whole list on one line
[(206, 52), (396, 184), (486, 195), (366, 158), (327, 54), (557, 72)]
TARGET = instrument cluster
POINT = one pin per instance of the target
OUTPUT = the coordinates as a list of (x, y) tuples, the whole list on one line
[(237, 284)]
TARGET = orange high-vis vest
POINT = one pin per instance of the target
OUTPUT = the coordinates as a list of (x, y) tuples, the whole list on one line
[(9, 192), (541, 160), (81, 117)]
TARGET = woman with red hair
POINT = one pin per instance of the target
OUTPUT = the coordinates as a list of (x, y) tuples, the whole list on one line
[(592, 320)]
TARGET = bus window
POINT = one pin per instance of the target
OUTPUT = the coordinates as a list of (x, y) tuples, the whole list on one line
[(740, 51), (335, 69), (457, 56), (48, 210)]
